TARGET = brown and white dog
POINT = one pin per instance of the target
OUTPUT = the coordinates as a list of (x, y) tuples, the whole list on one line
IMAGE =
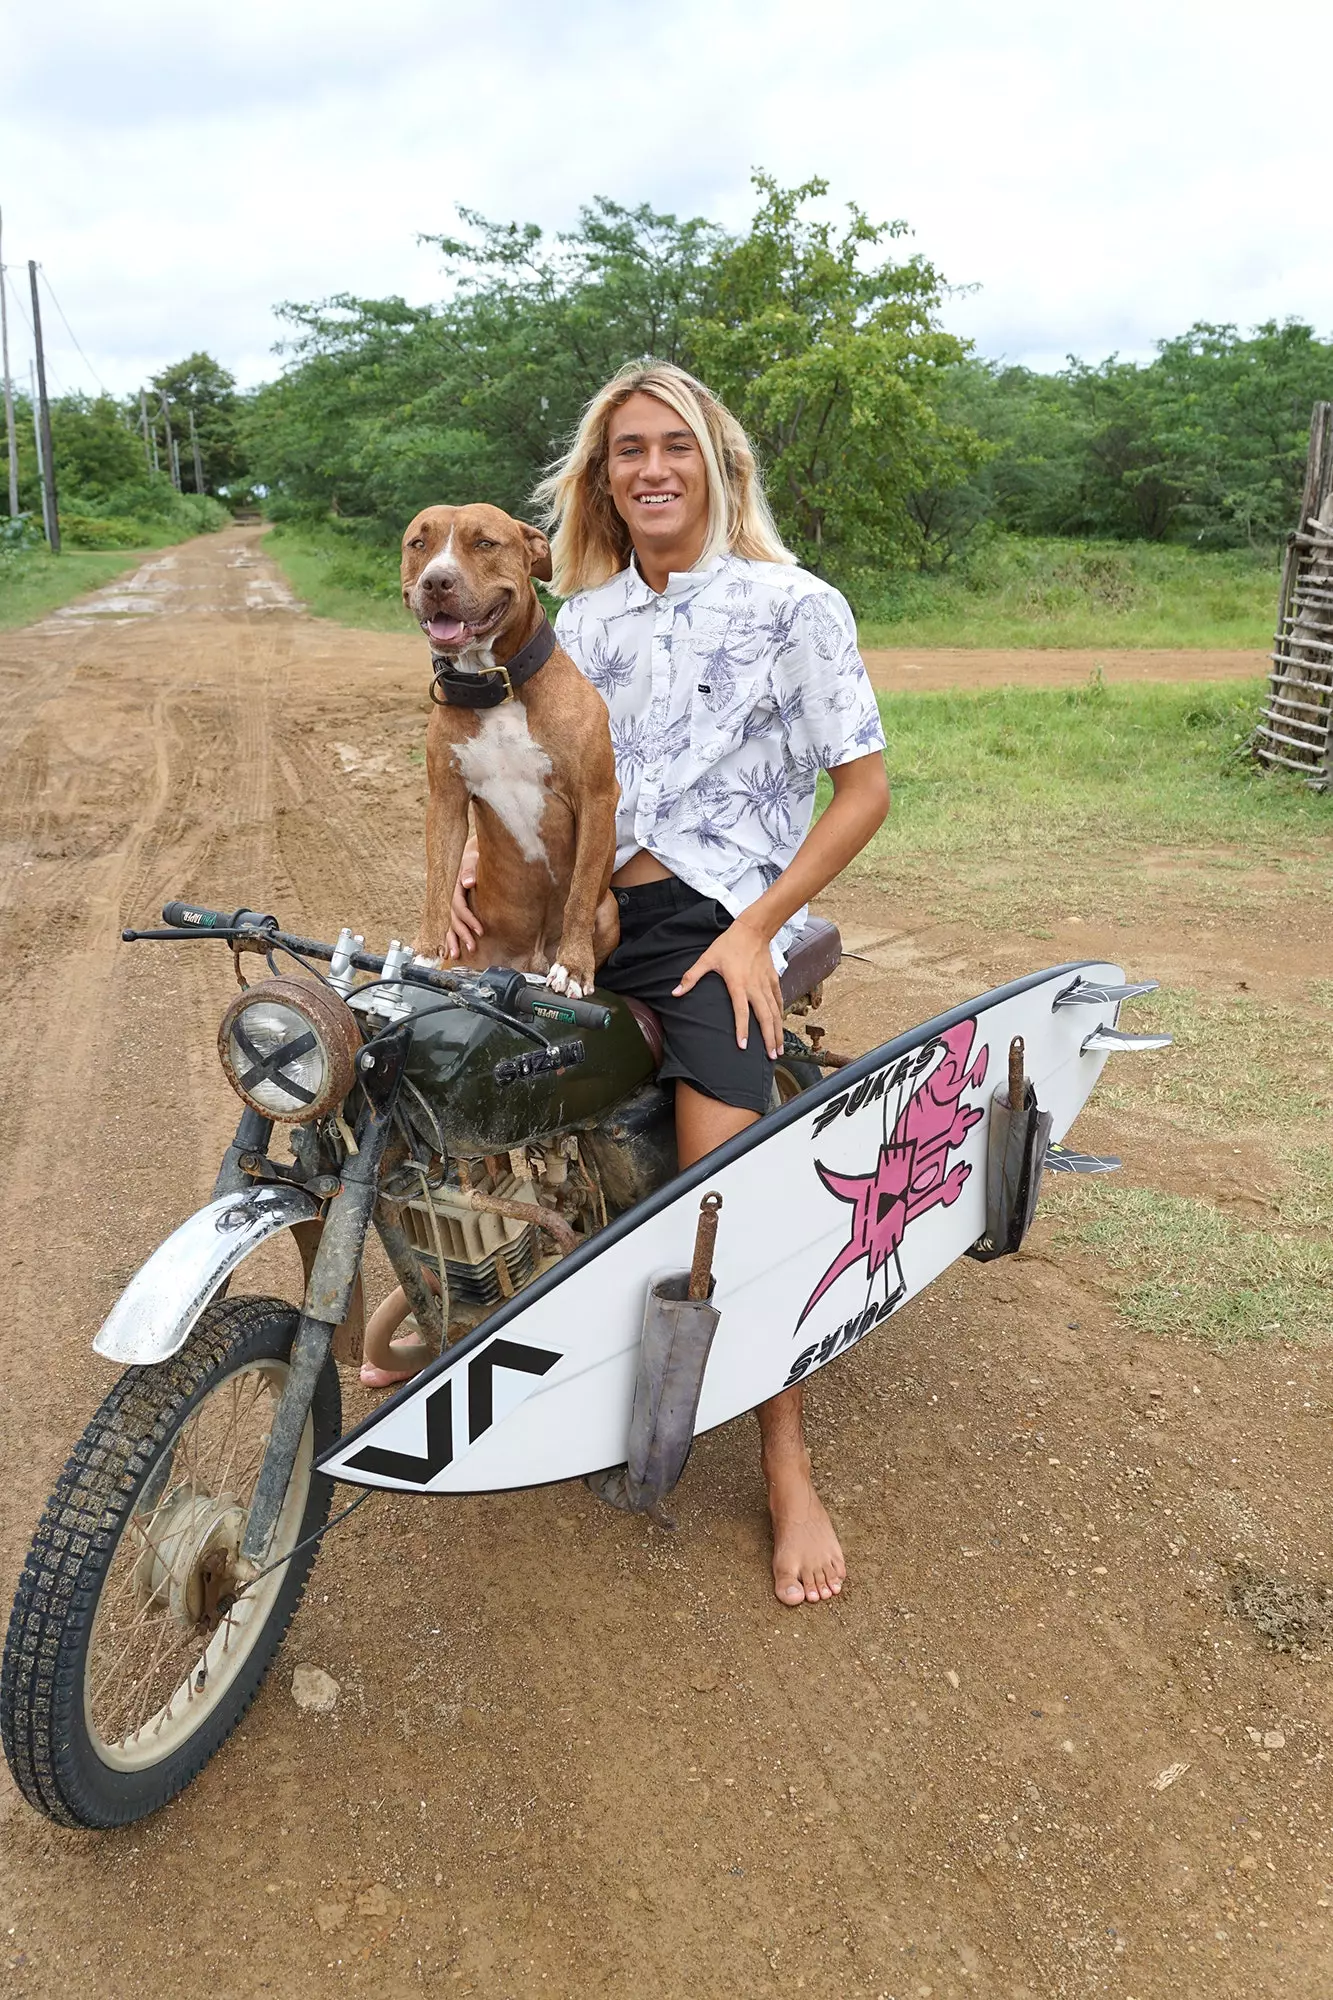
[(531, 751)]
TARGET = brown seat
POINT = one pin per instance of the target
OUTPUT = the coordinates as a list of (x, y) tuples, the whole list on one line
[(816, 953)]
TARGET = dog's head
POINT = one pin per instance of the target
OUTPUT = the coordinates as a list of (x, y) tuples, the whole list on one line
[(466, 574)]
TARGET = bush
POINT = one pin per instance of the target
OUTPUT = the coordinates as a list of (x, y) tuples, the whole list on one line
[(86, 531)]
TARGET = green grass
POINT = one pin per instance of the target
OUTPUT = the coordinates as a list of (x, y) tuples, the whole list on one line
[(34, 581), (1025, 591), (1182, 1267), (339, 577), (1008, 777), (1237, 1064), (1013, 591)]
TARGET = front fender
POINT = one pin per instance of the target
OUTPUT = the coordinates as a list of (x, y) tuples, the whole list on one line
[(155, 1313)]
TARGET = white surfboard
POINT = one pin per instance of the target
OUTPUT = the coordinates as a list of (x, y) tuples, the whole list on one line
[(836, 1210)]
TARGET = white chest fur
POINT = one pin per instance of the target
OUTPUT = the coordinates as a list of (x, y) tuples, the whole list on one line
[(505, 765)]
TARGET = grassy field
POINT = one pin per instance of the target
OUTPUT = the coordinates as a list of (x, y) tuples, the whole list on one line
[(1016, 591), (1012, 592), (1013, 784)]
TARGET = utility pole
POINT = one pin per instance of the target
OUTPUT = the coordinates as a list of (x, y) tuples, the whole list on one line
[(173, 463), (48, 455), (198, 462), (143, 425), (11, 441), (37, 440)]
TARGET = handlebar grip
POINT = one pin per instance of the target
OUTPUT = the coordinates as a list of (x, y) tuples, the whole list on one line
[(544, 1005), (194, 917)]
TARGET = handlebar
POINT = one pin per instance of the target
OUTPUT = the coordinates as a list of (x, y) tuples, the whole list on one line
[(193, 917), (498, 986)]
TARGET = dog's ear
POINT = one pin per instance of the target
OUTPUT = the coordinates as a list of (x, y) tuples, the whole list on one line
[(539, 553)]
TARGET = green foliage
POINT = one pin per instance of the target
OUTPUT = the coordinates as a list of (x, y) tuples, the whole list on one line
[(1025, 590), (387, 407), (1206, 442), (833, 364), (200, 385), (829, 356)]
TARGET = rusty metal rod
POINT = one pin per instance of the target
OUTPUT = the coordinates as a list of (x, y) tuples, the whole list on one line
[(519, 1211), (705, 1242)]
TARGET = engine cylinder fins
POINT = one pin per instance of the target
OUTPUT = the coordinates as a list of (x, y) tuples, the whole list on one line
[(1108, 1040), (1087, 993)]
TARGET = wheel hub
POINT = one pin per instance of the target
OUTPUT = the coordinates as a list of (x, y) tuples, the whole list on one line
[(189, 1556)]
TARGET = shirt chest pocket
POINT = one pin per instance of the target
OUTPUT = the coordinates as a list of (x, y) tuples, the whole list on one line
[(726, 709)]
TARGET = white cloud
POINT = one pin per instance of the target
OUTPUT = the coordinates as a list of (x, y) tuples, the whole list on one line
[(1103, 176)]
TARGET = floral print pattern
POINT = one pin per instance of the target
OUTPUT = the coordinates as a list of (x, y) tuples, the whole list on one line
[(728, 694)]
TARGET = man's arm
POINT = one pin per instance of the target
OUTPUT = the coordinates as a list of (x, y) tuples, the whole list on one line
[(742, 954)]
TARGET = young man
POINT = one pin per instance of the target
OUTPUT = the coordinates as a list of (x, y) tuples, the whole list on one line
[(732, 678)]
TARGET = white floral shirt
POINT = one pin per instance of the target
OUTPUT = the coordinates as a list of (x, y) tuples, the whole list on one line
[(728, 694)]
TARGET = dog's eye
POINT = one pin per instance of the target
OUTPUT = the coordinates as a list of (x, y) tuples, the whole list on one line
[(417, 542), (482, 543)]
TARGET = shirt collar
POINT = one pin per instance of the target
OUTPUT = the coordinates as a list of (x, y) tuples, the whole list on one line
[(680, 584)]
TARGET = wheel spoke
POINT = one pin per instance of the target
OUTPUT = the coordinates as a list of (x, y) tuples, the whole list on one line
[(142, 1662)]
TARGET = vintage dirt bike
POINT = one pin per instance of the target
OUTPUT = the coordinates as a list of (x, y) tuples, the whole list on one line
[(515, 1157)]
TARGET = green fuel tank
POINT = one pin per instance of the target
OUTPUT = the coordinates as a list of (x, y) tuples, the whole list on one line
[(453, 1055)]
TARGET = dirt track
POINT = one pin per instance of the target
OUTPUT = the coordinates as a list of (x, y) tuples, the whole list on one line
[(572, 1754), (908, 670)]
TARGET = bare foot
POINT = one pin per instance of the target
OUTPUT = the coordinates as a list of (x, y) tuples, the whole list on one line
[(807, 1560)]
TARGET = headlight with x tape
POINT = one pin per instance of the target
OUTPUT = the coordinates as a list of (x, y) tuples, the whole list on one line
[(289, 1048)]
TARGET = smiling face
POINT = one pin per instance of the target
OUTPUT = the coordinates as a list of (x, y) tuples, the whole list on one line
[(466, 571), (658, 481)]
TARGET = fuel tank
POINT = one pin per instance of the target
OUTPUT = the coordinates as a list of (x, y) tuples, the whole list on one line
[(454, 1052)]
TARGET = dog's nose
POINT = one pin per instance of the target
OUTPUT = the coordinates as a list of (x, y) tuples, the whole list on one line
[(436, 580)]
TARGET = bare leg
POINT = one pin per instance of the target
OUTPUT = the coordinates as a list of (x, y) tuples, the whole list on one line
[(807, 1561)]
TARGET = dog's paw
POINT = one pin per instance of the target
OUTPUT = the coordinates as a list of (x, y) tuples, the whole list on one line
[(561, 980)]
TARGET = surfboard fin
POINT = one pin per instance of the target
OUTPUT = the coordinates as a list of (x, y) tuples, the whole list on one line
[(1112, 1039), (1087, 993), (1064, 1160)]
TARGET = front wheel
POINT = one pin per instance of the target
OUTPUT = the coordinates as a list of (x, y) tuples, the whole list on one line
[(131, 1656)]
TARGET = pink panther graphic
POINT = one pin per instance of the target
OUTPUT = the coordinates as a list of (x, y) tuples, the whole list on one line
[(910, 1177)]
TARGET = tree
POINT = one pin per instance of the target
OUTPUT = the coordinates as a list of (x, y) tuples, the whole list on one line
[(834, 362), (202, 385)]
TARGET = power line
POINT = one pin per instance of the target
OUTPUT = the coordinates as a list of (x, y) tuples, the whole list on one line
[(70, 331), (23, 315)]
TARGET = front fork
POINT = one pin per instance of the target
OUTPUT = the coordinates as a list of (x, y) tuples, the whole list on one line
[(332, 1280)]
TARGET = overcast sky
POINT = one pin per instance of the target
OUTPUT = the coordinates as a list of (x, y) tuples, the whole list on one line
[(1102, 175)]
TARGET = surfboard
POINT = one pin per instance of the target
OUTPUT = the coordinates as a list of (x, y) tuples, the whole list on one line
[(837, 1210)]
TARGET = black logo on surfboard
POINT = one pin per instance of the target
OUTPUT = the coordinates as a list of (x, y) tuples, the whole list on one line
[(419, 1471)]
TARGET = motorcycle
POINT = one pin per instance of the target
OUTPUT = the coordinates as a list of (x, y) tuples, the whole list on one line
[(513, 1154)]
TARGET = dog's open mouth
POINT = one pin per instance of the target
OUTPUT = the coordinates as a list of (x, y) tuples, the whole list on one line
[(452, 634)]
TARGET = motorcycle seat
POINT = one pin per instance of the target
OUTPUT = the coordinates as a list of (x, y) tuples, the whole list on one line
[(815, 953)]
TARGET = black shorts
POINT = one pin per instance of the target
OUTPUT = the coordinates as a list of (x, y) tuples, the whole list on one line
[(664, 928)]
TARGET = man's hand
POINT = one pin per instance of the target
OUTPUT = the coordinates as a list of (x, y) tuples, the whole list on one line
[(464, 929), (741, 956)]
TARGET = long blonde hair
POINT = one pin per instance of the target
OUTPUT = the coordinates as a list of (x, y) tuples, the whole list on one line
[(590, 542)]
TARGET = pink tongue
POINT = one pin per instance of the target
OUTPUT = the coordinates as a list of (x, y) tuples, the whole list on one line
[(446, 631)]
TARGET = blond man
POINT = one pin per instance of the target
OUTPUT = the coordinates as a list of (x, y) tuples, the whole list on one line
[(732, 679)]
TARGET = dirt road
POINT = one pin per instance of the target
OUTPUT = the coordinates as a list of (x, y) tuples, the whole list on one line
[(572, 1754), (908, 670)]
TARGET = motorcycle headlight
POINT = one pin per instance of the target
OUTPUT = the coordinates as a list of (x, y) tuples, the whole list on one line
[(289, 1048)]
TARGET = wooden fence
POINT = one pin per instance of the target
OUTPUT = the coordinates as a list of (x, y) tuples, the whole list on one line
[(1297, 726)]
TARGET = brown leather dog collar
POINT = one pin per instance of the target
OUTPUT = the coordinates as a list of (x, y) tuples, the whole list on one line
[(489, 686)]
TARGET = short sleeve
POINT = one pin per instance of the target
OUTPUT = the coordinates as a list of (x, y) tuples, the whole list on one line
[(828, 706)]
